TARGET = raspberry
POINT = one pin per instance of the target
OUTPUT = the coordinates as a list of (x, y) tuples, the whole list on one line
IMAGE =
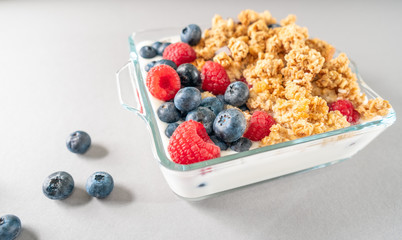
[(346, 109), (179, 53), (163, 82), (215, 77), (243, 79), (260, 123), (190, 143)]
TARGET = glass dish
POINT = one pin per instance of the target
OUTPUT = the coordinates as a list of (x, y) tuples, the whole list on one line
[(203, 179)]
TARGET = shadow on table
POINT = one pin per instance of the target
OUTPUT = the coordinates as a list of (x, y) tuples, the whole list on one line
[(78, 198), (96, 151), (120, 195), (27, 234)]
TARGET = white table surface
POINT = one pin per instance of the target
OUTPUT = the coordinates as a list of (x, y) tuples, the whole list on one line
[(57, 65)]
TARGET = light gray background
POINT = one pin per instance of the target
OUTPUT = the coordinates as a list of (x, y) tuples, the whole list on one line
[(57, 65)]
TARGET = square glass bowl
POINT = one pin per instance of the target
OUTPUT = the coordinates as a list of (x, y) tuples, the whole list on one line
[(203, 179)]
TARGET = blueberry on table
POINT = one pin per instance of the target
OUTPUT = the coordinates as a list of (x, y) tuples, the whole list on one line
[(213, 104), (241, 145), (191, 34), (189, 75), (218, 142), (162, 47), (170, 129), (230, 125), (168, 113), (147, 52), (187, 99), (204, 116), (58, 185), (237, 93), (10, 227), (166, 62), (78, 142), (99, 184), (275, 25)]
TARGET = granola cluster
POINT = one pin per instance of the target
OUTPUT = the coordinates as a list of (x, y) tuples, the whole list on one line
[(293, 77)]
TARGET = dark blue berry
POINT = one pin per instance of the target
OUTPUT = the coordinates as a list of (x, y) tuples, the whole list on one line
[(241, 145), (168, 113), (166, 62), (275, 25), (187, 99), (58, 185), (230, 125), (170, 129), (156, 45), (222, 98), (213, 103), (218, 142), (162, 48), (204, 116), (149, 66), (99, 184), (191, 34), (10, 227), (244, 108), (189, 75), (78, 142), (237, 93), (147, 52)]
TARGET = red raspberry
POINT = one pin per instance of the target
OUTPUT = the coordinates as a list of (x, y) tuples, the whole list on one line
[(163, 82), (243, 79), (216, 79), (346, 109), (260, 123), (179, 53), (190, 143)]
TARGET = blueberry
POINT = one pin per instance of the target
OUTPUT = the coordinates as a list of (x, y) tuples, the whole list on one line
[(10, 227), (204, 116), (149, 66), (230, 125), (156, 45), (58, 185), (237, 93), (99, 184), (244, 108), (241, 145), (166, 62), (78, 142), (275, 25), (213, 104), (170, 129), (189, 75), (222, 98), (168, 113), (147, 52), (187, 99), (162, 48), (191, 34), (218, 142)]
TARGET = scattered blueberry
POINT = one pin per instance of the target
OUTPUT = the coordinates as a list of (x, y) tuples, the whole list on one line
[(187, 99), (168, 113), (189, 75), (244, 108), (230, 125), (241, 145), (166, 62), (147, 52), (218, 142), (183, 115), (191, 34), (275, 25), (156, 45), (149, 66), (99, 184), (222, 98), (201, 185), (78, 142), (58, 185), (162, 48), (10, 227), (237, 93), (204, 116), (213, 103), (170, 129)]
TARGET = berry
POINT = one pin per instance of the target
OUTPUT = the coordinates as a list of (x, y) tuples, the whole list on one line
[(78, 142), (99, 184), (156, 45), (204, 116), (170, 129), (179, 53), (189, 75), (241, 145), (275, 25), (163, 82), (10, 227), (259, 126), (162, 48), (149, 66), (166, 62), (215, 79), (237, 93), (168, 113), (191, 34), (190, 143), (213, 103), (229, 125), (222, 98), (245, 81), (244, 108), (345, 107), (187, 99), (147, 52), (58, 185), (218, 142)]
